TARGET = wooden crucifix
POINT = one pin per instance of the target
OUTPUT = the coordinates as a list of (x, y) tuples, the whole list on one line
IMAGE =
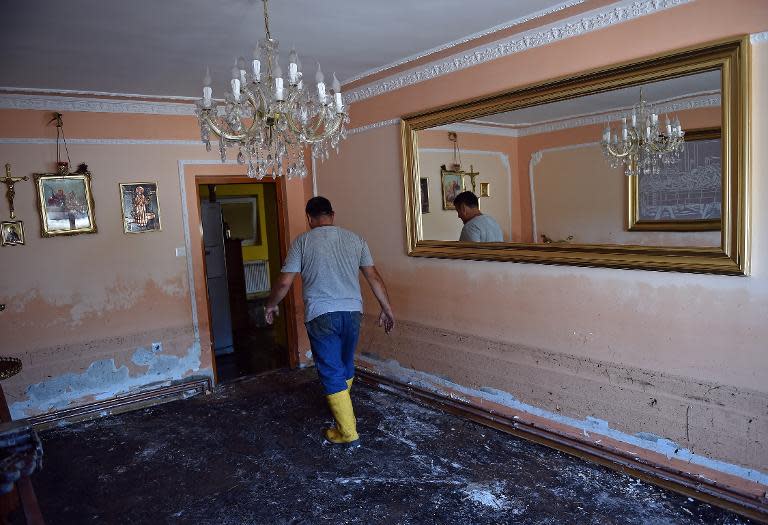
[(10, 182)]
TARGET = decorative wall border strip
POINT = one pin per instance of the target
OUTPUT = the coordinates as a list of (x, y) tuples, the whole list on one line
[(375, 125), (96, 105), (575, 26), (74, 92), (464, 40), (104, 142)]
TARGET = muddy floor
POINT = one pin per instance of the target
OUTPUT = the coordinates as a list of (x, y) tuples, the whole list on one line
[(252, 453)]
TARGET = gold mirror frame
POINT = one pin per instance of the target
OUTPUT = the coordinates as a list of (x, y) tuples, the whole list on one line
[(731, 57)]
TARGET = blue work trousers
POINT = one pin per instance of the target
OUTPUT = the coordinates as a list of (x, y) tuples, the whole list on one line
[(333, 338)]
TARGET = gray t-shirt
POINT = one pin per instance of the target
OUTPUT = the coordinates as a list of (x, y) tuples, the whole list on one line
[(329, 259), (482, 228)]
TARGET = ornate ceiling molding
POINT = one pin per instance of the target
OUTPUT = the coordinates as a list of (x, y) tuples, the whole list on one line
[(575, 26), (464, 40), (97, 105)]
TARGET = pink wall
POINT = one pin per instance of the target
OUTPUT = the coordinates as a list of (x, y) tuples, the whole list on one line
[(699, 328), (83, 311)]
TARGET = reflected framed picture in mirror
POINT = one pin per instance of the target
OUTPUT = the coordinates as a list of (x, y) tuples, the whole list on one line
[(424, 192), (452, 183), (485, 189), (686, 195)]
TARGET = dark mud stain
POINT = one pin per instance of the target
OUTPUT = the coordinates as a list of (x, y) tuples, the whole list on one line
[(252, 453)]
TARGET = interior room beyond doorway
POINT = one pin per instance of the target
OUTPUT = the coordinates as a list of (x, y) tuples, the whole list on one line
[(241, 240)]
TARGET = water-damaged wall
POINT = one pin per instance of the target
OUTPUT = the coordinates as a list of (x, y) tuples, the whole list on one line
[(678, 356), (97, 315)]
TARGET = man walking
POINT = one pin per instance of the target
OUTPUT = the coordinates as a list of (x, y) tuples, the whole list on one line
[(329, 259)]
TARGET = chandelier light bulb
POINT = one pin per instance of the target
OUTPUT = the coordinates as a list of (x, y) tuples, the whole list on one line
[(337, 94), (293, 67), (207, 90)]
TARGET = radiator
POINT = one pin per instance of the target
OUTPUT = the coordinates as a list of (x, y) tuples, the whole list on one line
[(256, 276)]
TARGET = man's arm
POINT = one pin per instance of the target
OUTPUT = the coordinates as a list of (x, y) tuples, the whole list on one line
[(279, 291), (386, 318)]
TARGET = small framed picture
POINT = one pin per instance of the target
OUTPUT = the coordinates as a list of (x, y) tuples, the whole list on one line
[(65, 203), (452, 184), (140, 207), (485, 189), (12, 233), (424, 191)]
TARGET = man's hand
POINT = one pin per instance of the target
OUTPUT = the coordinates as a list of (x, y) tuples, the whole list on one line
[(279, 290), (270, 312), (387, 320), (386, 317)]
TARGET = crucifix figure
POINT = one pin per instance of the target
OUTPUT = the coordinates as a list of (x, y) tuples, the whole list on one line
[(472, 174), (10, 182)]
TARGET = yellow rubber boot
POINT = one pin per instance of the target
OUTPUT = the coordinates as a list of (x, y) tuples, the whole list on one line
[(349, 383), (345, 432)]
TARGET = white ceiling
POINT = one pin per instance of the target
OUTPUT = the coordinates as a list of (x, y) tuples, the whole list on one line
[(161, 47)]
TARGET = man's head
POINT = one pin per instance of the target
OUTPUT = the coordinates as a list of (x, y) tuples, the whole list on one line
[(319, 212), (467, 206)]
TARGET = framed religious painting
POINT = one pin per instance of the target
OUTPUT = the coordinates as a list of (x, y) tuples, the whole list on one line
[(140, 207), (11, 233), (65, 203), (452, 183)]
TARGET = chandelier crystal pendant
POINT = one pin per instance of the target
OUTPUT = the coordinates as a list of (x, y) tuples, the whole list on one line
[(641, 145), (271, 119)]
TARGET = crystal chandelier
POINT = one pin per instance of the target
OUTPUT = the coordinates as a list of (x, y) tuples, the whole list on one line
[(640, 145), (271, 121)]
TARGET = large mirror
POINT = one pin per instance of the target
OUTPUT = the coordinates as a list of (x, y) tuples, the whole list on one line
[(639, 166)]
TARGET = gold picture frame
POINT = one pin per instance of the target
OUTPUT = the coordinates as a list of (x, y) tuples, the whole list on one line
[(451, 184), (731, 57), (12, 233), (140, 207), (485, 189), (65, 203), (639, 221)]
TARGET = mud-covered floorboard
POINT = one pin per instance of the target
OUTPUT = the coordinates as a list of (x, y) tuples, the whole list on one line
[(252, 453)]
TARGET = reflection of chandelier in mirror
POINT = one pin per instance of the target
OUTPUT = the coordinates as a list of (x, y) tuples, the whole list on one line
[(640, 145), (271, 122), (456, 165)]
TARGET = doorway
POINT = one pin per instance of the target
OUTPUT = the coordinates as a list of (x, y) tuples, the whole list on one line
[(242, 254)]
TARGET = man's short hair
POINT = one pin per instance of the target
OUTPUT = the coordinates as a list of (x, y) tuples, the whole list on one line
[(466, 198), (317, 206)]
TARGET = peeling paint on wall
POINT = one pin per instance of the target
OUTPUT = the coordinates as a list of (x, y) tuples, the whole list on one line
[(104, 380), (671, 450)]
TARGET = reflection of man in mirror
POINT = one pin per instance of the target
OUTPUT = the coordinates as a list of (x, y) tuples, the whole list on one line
[(477, 226)]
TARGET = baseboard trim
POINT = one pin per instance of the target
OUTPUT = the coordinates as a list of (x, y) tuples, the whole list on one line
[(178, 390), (658, 474)]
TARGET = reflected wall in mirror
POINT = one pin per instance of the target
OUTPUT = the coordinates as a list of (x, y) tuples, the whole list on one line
[(584, 172)]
